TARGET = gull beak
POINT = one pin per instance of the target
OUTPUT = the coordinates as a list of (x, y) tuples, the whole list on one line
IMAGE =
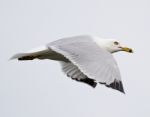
[(126, 49)]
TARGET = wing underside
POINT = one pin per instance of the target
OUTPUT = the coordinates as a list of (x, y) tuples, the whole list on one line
[(73, 72), (91, 60)]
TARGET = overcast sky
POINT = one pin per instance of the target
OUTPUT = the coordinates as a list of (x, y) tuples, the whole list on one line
[(40, 89)]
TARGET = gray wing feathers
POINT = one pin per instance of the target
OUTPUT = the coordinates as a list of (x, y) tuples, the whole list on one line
[(72, 71), (93, 61), (82, 60), (42, 54)]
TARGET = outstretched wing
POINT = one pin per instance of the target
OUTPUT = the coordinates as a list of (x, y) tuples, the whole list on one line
[(93, 61), (73, 72)]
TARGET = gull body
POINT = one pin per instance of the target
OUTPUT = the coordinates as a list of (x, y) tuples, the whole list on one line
[(84, 58)]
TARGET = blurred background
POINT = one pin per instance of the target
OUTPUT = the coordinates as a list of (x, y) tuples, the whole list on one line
[(40, 89)]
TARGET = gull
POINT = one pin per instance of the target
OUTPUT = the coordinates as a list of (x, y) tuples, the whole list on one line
[(87, 59)]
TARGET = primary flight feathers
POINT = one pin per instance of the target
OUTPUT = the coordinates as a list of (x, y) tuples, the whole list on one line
[(85, 59)]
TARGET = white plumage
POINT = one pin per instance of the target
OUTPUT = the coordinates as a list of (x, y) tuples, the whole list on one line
[(85, 59)]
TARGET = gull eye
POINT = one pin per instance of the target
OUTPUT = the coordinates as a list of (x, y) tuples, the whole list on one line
[(116, 43)]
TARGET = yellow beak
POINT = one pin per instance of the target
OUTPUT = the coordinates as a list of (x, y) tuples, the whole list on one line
[(126, 49)]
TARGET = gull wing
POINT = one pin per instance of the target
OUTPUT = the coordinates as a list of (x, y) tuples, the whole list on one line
[(73, 72), (95, 62)]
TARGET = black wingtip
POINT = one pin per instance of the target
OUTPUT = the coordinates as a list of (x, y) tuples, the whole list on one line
[(88, 81), (117, 85)]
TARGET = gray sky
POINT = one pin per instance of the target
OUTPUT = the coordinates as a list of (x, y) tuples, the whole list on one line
[(40, 89)]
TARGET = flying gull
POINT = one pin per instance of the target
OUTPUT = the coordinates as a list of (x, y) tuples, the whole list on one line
[(85, 58)]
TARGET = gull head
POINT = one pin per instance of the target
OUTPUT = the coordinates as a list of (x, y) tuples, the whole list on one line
[(112, 45)]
